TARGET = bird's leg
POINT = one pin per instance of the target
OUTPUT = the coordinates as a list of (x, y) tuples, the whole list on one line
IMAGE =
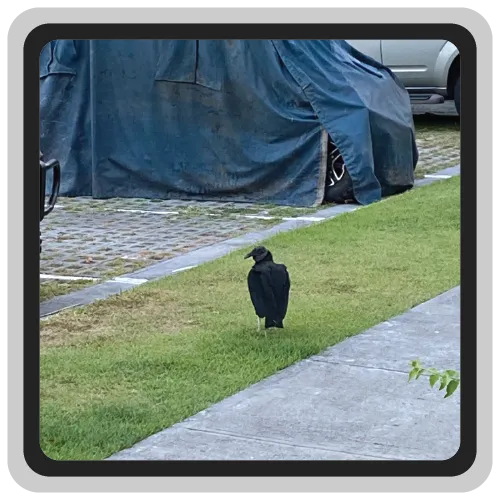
[(259, 326)]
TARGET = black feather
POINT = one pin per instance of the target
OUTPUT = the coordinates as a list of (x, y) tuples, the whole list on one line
[(269, 287)]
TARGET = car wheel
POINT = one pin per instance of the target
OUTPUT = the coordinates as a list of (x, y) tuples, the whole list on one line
[(338, 188), (457, 95)]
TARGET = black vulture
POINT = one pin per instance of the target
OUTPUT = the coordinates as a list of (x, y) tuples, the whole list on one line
[(269, 287)]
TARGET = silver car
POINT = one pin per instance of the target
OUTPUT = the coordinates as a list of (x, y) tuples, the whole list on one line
[(429, 69)]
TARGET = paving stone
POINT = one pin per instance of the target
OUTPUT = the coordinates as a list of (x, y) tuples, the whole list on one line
[(81, 227)]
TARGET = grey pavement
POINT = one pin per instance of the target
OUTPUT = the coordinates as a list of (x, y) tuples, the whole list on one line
[(351, 402)]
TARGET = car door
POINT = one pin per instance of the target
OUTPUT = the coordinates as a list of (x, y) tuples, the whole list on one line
[(372, 48), (413, 61)]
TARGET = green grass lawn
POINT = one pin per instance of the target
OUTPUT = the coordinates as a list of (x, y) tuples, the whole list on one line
[(119, 370)]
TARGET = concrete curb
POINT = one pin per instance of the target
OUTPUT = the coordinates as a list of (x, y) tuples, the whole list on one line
[(203, 255)]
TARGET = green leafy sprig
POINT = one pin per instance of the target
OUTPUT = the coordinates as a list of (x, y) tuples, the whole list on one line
[(448, 379)]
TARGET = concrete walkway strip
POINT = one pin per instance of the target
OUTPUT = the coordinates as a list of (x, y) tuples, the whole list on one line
[(202, 255), (351, 402)]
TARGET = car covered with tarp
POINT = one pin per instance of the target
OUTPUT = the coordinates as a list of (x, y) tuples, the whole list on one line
[(289, 122)]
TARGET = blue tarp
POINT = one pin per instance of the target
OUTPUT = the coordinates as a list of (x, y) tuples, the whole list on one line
[(228, 120)]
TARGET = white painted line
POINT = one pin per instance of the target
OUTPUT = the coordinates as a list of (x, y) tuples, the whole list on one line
[(269, 217), (58, 206), (304, 218), (135, 257), (258, 217), (131, 281), (146, 212), (437, 176), (182, 269), (66, 278), (262, 217)]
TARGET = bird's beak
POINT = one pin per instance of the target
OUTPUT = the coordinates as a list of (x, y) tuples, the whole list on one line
[(248, 255)]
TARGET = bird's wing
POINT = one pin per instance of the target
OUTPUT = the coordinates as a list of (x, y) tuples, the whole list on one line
[(257, 293), (280, 280), (286, 289), (274, 284), (267, 296)]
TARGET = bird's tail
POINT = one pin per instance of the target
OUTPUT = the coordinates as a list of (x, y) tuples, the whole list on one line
[(274, 323)]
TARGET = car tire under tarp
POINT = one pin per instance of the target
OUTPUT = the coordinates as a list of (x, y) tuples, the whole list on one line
[(338, 186)]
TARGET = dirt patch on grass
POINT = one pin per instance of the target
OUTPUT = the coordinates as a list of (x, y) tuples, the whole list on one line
[(119, 318), (51, 289)]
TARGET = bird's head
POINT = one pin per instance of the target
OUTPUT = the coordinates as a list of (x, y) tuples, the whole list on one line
[(259, 254)]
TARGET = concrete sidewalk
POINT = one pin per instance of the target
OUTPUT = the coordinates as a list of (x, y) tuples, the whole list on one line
[(351, 402)]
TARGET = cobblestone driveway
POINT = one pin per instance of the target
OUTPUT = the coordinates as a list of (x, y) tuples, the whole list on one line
[(100, 239), (438, 137), (86, 237)]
